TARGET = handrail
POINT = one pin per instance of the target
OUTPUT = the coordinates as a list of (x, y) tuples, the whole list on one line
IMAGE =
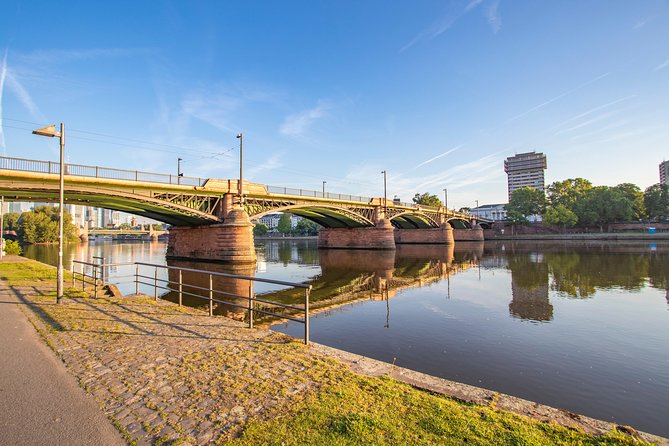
[(166, 284)]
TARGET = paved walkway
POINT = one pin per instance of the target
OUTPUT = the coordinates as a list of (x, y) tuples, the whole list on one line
[(168, 374), (40, 402)]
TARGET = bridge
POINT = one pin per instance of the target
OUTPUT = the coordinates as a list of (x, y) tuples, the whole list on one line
[(212, 210)]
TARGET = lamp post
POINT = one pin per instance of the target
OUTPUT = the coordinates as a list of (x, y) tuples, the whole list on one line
[(324, 188), (50, 131), (446, 199), (240, 137), (385, 194), (477, 207), (2, 227), (179, 174)]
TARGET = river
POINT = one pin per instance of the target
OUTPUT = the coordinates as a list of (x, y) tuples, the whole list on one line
[(580, 326)]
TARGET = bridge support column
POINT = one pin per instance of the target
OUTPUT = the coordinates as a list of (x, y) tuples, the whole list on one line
[(380, 236), (231, 241), (431, 236), (468, 235), (83, 233)]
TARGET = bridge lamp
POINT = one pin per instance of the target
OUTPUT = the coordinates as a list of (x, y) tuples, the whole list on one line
[(50, 131), (446, 199), (385, 192), (324, 188), (179, 174), (240, 137)]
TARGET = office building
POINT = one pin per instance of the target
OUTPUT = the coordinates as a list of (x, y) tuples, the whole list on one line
[(525, 170), (664, 172)]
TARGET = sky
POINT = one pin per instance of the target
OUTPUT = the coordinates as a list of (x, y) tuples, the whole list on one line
[(436, 93)]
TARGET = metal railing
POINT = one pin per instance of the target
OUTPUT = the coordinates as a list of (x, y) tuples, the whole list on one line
[(53, 167), (316, 194), (213, 295)]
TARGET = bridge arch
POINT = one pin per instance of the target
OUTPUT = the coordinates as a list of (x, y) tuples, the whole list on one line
[(459, 223), (413, 220), (324, 215)]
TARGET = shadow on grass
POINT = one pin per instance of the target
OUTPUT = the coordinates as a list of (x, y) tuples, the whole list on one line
[(38, 310)]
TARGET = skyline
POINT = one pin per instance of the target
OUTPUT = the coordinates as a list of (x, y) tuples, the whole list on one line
[(438, 94)]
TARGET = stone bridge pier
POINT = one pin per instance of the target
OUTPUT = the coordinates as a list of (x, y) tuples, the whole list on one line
[(230, 241)]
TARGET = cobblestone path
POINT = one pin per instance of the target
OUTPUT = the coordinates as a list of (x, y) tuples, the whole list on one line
[(167, 374)]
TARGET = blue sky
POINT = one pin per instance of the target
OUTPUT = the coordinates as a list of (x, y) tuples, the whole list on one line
[(437, 93)]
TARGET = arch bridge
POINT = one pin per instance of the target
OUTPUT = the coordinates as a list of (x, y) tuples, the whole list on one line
[(198, 203)]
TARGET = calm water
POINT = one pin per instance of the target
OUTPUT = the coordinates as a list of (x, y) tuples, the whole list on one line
[(581, 327)]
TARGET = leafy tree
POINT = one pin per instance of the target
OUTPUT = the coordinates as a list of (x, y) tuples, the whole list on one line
[(306, 227), (12, 248), (524, 202), (656, 200), (41, 226), (11, 221), (560, 215), (602, 205), (260, 229), (427, 200), (635, 196), (157, 227), (284, 226), (125, 226), (465, 209), (567, 192)]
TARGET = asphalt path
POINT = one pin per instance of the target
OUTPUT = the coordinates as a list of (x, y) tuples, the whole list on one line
[(40, 402)]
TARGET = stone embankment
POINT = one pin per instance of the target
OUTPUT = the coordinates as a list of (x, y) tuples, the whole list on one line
[(165, 374)]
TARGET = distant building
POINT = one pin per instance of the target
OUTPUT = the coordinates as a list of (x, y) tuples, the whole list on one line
[(272, 220), (496, 212), (664, 172), (525, 170)]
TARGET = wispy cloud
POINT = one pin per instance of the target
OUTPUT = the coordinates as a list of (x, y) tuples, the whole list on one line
[(437, 157), (441, 26), (662, 66), (273, 162), (23, 95), (640, 23), (210, 107), (57, 56), (493, 16), (3, 75), (560, 96), (592, 110), (297, 124)]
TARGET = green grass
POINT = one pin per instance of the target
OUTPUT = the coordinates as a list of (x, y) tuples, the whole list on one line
[(358, 410)]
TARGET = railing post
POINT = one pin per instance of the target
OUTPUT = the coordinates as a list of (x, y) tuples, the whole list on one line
[(306, 316), (83, 277), (102, 270), (72, 271), (155, 285), (250, 304), (180, 288), (136, 279), (96, 172), (211, 295), (95, 280)]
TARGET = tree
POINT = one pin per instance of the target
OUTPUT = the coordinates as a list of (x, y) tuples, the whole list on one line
[(427, 200), (465, 210), (524, 202), (560, 215), (603, 205), (284, 225), (656, 201), (635, 197), (567, 192), (157, 227), (11, 221), (306, 227), (260, 229), (125, 226), (41, 226), (12, 248)]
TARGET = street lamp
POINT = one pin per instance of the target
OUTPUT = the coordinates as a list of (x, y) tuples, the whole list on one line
[(385, 194), (179, 174), (240, 137), (446, 199), (324, 188), (51, 132), (477, 207)]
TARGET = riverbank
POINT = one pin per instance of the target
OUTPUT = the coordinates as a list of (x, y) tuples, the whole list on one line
[(609, 236), (166, 374)]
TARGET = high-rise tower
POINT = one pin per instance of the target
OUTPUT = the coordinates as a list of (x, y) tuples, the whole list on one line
[(525, 170)]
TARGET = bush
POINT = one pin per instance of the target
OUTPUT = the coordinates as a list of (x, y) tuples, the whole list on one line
[(12, 248)]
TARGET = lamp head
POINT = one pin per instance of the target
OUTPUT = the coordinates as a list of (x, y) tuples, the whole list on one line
[(49, 131), (239, 135)]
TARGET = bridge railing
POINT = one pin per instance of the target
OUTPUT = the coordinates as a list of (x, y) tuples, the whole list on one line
[(53, 167), (316, 194)]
